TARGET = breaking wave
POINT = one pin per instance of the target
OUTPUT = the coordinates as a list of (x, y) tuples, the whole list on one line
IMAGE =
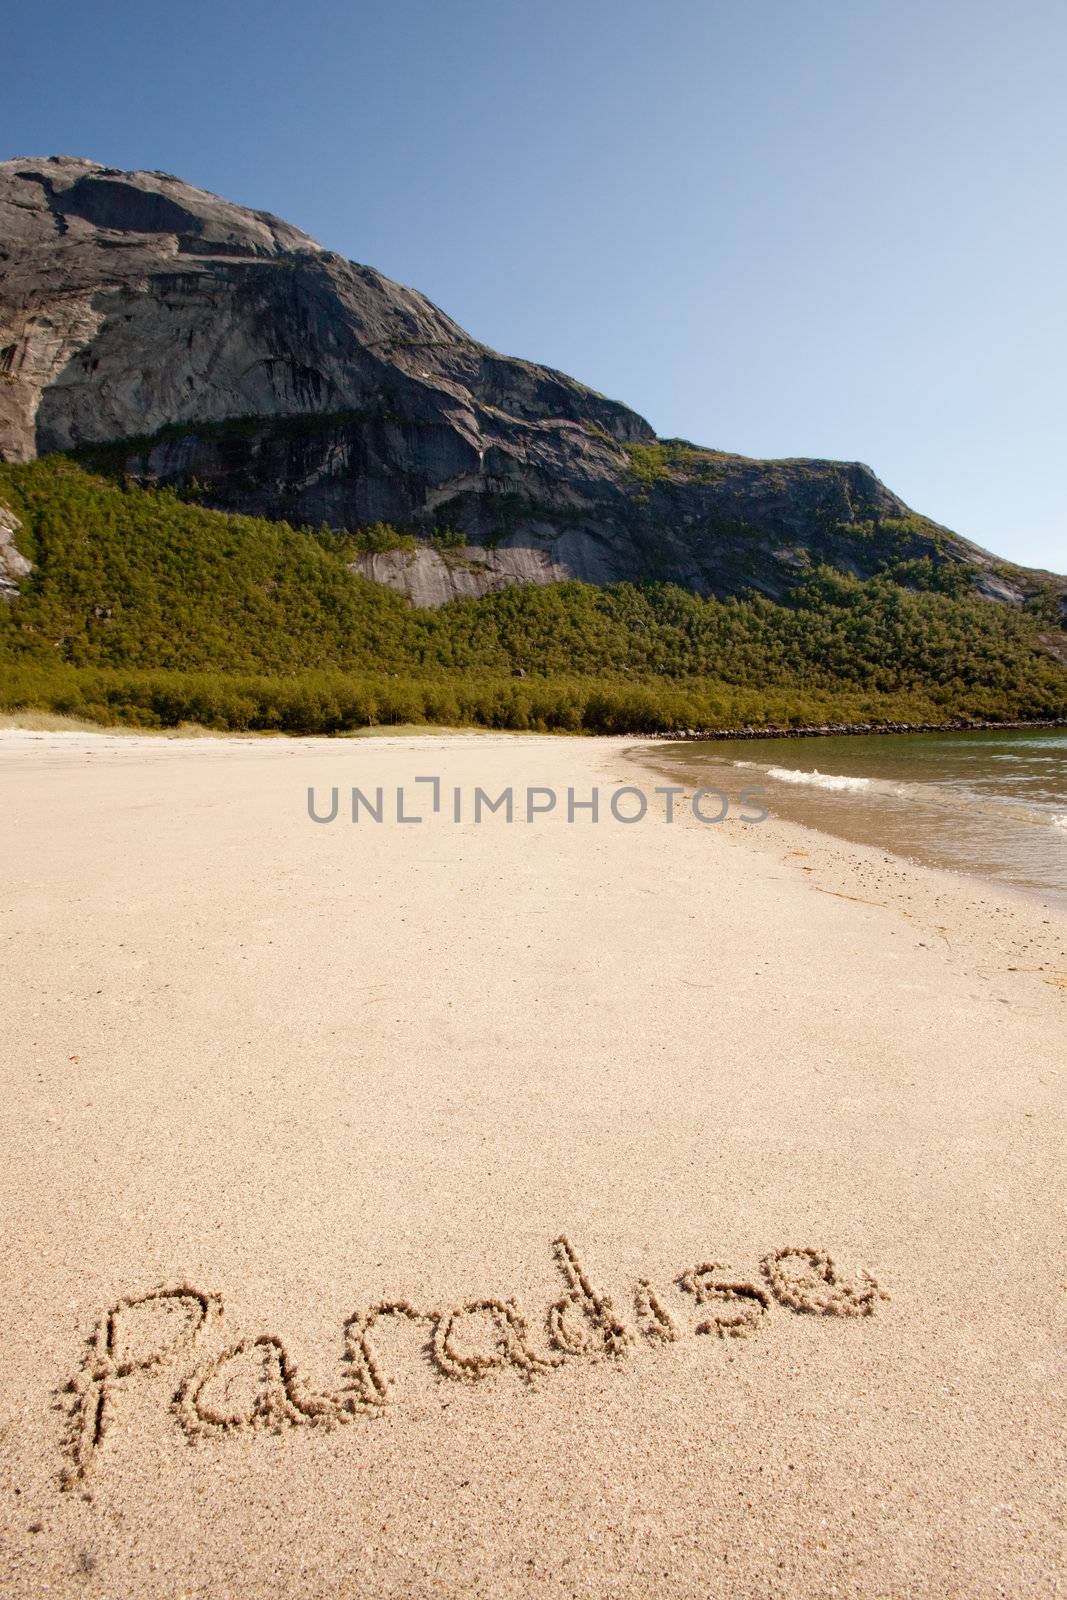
[(1002, 806), (817, 779)]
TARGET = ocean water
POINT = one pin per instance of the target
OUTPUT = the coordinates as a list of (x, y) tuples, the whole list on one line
[(991, 803)]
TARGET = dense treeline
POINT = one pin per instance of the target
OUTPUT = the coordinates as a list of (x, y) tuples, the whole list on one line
[(325, 701), (144, 607)]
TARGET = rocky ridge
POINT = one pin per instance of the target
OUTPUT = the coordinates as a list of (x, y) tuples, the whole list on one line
[(167, 334)]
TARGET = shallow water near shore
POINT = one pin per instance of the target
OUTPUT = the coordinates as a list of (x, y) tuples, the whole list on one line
[(993, 803)]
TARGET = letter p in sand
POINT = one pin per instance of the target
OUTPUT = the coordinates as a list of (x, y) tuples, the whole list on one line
[(136, 1335)]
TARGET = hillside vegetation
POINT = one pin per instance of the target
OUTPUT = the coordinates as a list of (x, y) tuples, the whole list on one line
[(144, 608)]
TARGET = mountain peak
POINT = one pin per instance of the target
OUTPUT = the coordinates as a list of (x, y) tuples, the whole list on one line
[(44, 198), (186, 340)]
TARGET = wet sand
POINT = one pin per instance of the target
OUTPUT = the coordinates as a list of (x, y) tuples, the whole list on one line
[(990, 804), (536, 1209)]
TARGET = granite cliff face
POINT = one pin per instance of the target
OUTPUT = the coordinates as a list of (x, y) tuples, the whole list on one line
[(186, 340), (13, 565)]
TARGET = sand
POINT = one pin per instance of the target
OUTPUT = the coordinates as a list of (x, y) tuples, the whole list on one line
[(514, 1209)]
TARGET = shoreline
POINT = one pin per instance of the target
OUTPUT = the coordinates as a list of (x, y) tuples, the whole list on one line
[(818, 730), (509, 1210), (24, 720), (923, 890), (943, 804)]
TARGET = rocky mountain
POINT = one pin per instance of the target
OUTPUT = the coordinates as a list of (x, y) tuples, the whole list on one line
[(166, 334)]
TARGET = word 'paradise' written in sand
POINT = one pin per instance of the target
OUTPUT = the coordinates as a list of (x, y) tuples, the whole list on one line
[(254, 1384)]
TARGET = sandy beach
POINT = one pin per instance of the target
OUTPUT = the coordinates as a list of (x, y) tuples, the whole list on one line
[(522, 1208)]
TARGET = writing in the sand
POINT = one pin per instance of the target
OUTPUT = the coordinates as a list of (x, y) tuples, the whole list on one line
[(254, 1383)]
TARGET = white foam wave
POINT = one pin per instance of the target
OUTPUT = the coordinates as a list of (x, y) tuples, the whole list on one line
[(817, 779)]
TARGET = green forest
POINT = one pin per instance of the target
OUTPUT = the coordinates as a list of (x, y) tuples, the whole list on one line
[(146, 609)]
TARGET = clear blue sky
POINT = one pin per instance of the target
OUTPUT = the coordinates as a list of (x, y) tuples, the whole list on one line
[(802, 228)]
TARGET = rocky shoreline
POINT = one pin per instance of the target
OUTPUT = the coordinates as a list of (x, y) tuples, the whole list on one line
[(825, 729)]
